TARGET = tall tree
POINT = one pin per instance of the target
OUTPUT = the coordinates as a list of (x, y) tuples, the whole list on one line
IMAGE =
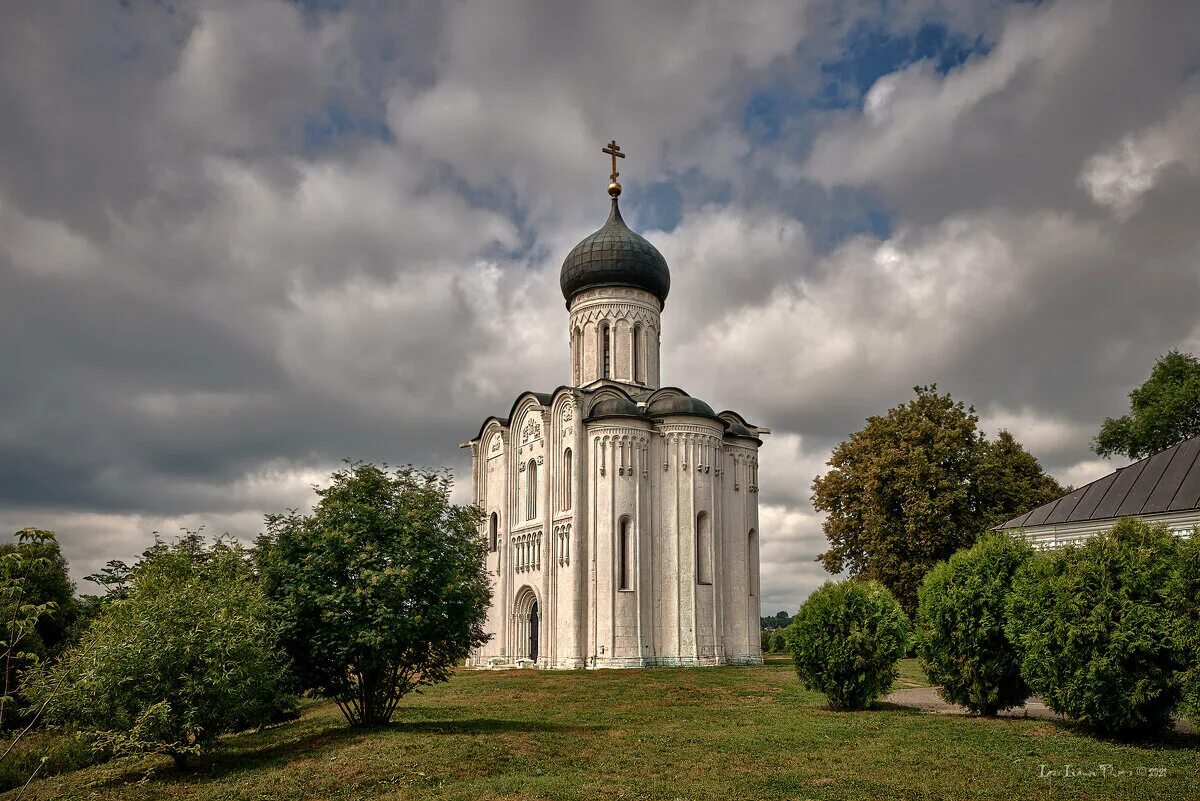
[(917, 484), (1162, 412), (1010, 480), (46, 577), (381, 590)]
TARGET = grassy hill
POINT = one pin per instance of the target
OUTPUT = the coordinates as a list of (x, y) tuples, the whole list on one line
[(733, 733)]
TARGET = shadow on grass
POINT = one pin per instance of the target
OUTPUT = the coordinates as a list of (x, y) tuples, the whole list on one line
[(236, 757)]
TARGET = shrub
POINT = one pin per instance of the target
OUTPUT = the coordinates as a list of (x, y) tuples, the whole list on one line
[(1184, 591), (767, 641), (186, 656), (778, 642), (846, 640), (1098, 639), (960, 626), (48, 752)]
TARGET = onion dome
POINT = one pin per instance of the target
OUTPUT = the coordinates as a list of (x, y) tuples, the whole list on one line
[(615, 256)]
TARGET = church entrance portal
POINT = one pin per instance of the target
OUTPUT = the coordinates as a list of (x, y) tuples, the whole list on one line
[(527, 617), (533, 631)]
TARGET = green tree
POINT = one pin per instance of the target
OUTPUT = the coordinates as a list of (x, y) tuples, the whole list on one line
[(1009, 480), (917, 484), (846, 640), (188, 654), (1183, 592), (381, 590), (1098, 633), (39, 609), (35, 603), (960, 625), (46, 580), (1163, 411)]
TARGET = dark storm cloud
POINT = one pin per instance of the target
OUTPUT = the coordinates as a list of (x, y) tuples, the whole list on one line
[(239, 242)]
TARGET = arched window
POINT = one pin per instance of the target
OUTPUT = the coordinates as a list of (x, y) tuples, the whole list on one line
[(703, 549), (637, 353), (566, 480), (531, 490), (494, 532), (606, 357), (577, 356), (752, 562), (625, 555)]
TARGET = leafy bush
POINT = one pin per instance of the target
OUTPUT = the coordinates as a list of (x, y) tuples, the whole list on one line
[(778, 642), (1097, 635), (1184, 591), (381, 590), (960, 626), (766, 640), (846, 640), (48, 752), (187, 655)]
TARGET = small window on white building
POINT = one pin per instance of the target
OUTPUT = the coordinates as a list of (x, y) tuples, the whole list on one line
[(566, 480), (606, 346), (752, 562), (637, 353), (494, 532), (531, 488), (703, 549), (625, 555)]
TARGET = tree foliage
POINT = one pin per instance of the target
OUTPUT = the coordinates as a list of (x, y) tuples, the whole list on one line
[(37, 607), (1163, 411), (1183, 591), (381, 590), (960, 626), (917, 484), (188, 654), (846, 640), (1098, 634)]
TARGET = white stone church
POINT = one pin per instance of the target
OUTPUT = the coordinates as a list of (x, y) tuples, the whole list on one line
[(621, 516)]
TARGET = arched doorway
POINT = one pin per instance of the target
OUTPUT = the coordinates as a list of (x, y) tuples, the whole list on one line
[(533, 631), (527, 617)]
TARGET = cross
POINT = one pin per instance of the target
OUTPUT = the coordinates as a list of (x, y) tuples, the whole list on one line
[(614, 150)]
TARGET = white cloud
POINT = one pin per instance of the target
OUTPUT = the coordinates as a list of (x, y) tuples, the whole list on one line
[(1120, 176)]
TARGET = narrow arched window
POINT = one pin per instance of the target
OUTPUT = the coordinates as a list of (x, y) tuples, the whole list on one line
[(625, 555), (703, 549), (566, 480), (531, 490), (606, 344), (494, 532), (636, 356), (577, 356), (752, 562)]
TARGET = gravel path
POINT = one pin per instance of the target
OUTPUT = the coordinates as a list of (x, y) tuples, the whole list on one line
[(927, 700)]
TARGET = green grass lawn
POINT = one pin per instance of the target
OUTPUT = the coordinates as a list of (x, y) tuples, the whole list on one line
[(715, 733)]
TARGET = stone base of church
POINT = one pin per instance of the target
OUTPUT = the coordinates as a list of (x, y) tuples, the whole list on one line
[(610, 663)]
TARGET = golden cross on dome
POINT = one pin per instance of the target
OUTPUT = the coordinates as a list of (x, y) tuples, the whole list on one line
[(614, 150)]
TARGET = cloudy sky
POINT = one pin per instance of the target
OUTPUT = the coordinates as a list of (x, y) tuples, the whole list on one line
[(242, 241)]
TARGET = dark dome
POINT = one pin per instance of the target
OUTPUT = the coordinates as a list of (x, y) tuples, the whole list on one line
[(681, 404), (736, 429), (615, 256), (615, 407)]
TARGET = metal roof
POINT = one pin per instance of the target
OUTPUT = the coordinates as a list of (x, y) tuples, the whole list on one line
[(1167, 481)]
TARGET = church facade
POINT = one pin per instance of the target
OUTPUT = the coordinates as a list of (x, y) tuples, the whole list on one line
[(621, 517)]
